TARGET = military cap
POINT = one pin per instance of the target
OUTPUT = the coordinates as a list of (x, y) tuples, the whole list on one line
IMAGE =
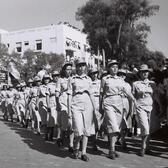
[(112, 62), (80, 61), (37, 79)]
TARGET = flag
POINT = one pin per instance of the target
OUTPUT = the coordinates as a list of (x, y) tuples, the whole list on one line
[(41, 73), (13, 71)]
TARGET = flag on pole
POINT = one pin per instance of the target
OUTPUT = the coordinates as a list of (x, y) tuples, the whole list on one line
[(104, 60), (98, 62), (13, 71), (41, 73)]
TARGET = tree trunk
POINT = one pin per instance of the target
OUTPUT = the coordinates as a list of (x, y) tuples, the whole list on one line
[(119, 34)]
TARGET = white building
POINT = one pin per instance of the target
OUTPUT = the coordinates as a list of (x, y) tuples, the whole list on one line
[(61, 39)]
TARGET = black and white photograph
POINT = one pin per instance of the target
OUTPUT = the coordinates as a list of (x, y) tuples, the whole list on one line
[(83, 83)]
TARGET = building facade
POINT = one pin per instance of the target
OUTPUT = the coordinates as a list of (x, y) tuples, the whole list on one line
[(60, 39)]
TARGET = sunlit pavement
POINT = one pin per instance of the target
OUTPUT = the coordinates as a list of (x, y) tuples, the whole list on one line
[(20, 148)]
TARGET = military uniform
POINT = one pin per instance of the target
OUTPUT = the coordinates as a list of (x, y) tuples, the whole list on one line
[(95, 87), (53, 115), (81, 107), (42, 103), (112, 88), (33, 104), (3, 97), (143, 91), (22, 97), (65, 115), (126, 105), (10, 101)]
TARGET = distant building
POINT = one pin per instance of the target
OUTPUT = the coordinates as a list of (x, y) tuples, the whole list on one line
[(61, 39)]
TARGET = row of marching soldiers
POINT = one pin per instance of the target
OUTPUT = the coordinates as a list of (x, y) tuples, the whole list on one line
[(81, 105)]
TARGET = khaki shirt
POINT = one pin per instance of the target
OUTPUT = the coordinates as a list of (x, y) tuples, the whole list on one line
[(112, 85), (95, 87), (79, 84), (143, 91)]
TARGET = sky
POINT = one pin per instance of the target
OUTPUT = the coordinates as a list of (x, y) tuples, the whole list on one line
[(22, 14)]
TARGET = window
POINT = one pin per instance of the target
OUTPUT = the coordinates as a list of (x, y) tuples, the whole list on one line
[(38, 44), (26, 43), (19, 47)]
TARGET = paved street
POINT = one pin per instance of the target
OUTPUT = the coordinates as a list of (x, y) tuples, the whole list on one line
[(20, 148)]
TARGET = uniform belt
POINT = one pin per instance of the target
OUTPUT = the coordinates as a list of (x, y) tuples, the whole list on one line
[(96, 95), (80, 93), (33, 96), (41, 96), (52, 95), (113, 95)]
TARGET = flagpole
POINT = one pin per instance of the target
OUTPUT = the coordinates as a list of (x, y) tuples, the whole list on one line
[(104, 61), (98, 62)]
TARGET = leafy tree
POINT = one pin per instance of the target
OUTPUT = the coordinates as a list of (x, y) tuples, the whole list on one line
[(114, 25), (31, 62), (35, 61)]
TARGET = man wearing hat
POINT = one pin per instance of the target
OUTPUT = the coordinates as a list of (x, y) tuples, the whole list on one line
[(143, 92)]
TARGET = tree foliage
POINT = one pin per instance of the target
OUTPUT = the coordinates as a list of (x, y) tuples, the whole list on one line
[(35, 61), (6, 58), (114, 25), (30, 63)]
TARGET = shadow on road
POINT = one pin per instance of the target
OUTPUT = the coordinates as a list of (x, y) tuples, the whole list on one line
[(37, 142), (159, 147)]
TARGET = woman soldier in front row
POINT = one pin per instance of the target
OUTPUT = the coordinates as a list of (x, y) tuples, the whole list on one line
[(112, 88), (143, 91), (82, 108)]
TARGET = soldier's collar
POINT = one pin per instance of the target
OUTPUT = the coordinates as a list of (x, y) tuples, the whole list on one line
[(81, 76), (145, 81), (114, 77)]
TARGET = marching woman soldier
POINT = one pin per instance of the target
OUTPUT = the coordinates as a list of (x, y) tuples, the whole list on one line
[(53, 103), (29, 111), (10, 100), (16, 106), (22, 103), (143, 91), (95, 87), (112, 88), (127, 108), (82, 108), (64, 100), (3, 97), (43, 103), (36, 119)]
